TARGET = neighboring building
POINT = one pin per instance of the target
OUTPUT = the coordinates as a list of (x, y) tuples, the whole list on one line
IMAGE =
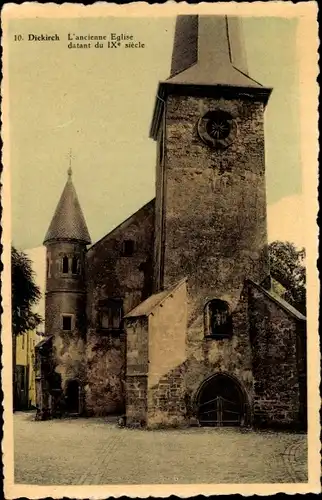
[(25, 375), (169, 319), (25, 390)]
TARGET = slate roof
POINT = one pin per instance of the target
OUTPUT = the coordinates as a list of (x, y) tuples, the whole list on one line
[(148, 305), (68, 222), (209, 50)]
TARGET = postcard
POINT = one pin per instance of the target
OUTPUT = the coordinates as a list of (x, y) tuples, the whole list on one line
[(160, 290)]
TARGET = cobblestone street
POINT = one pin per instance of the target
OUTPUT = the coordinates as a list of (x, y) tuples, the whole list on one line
[(94, 451)]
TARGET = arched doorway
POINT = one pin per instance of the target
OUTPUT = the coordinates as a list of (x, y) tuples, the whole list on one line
[(72, 396), (221, 402)]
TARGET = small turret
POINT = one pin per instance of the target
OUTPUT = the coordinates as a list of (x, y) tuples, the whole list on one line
[(66, 241), (68, 222), (65, 317)]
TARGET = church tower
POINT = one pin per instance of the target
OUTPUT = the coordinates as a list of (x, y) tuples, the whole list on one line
[(210, 216), (209, 128), (65, 320)]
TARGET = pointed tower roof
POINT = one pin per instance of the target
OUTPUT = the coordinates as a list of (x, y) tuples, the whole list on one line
[(68, 222), (209, 50), (208, 58)]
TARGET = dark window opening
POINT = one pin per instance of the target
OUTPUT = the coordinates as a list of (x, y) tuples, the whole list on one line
[(218, 319), (111, 313), (75, 265), (65, 265), (67, 323), (128, 248)]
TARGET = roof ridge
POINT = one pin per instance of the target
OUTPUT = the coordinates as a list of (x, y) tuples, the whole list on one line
[(171, 290), (278, 300), (164, 294), (121, 223)]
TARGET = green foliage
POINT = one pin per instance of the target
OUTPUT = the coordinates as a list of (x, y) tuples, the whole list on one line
[(288, 269), (24, 292)]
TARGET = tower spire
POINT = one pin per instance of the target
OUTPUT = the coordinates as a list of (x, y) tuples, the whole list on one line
[(209, 50), (69, 171), (208, 59), (68, 222)]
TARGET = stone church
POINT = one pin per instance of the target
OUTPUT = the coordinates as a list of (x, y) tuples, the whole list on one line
[(170, 320)]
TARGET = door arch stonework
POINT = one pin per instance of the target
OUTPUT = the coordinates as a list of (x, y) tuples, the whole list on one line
[(221, 400)]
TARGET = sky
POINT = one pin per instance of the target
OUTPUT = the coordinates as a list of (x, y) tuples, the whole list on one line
[(98, 103)]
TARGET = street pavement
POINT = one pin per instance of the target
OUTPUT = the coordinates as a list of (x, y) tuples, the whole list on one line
[(96, 451)]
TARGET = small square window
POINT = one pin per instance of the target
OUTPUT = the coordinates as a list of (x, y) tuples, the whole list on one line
[(128, 248), (67, 322)]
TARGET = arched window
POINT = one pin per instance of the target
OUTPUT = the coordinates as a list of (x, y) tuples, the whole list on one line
[(218, 320), (75, 265), (65, 265)]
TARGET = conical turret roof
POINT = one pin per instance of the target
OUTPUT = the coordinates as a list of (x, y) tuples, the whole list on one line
[(68, 222)]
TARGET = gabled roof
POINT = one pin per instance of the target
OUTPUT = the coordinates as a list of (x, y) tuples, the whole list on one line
[(148, 305), (125, 223), (68, 222), (279, 301)]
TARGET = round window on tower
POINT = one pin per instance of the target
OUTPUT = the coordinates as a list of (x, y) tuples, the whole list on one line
[(218, 129)]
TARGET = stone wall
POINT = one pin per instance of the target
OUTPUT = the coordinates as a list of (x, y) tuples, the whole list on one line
[(215, 202), (167, 351), (136, 400), (111, 274), (167, 400), (137, 362), (66, 294), (209, 356), (173, 400), (69, 354), (105, 362), (55, 279), (158, 251), (278, 346)]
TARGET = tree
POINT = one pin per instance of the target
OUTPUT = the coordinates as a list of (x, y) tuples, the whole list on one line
[(288, 269), (24, 295)]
